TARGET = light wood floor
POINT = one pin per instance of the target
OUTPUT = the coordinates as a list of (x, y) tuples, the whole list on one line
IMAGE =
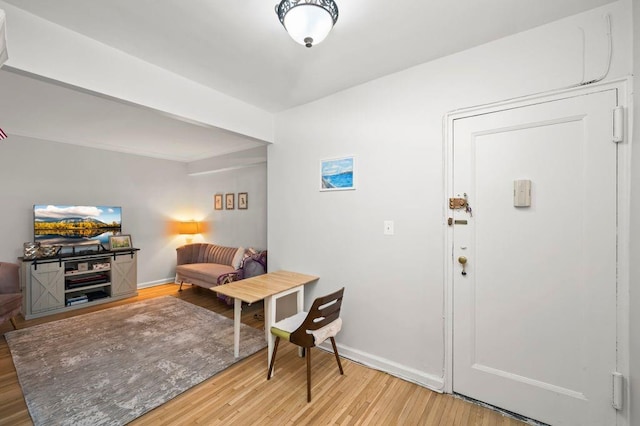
[(241, 395)]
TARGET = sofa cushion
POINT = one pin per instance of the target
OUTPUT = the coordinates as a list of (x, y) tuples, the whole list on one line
[(202, 272)]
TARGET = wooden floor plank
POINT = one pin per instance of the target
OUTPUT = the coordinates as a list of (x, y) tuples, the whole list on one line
[(242, 395)]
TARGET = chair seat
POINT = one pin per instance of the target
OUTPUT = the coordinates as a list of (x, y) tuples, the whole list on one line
[(285, 327)]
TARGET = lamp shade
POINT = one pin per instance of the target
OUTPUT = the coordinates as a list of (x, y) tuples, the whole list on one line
[(189, 228), (308, 22)]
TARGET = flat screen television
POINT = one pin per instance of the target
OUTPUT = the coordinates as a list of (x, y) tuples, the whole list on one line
[(75, 225)]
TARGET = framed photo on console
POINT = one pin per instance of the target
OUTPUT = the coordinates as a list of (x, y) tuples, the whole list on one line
[(120, 242)]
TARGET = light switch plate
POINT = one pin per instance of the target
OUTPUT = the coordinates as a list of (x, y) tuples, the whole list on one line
[(388, 227)]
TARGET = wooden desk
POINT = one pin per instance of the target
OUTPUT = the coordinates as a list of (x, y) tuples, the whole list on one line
[(268, 287)]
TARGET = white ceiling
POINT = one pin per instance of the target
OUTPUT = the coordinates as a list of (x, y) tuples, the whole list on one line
[(239, 48)]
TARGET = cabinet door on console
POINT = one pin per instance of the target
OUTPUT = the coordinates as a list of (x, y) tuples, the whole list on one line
[(124, 275), (46, 287)]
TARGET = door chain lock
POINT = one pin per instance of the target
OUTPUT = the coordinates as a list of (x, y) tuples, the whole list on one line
[(457, 203)]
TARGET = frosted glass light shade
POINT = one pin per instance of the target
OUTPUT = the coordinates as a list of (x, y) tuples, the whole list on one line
[(308, 22)]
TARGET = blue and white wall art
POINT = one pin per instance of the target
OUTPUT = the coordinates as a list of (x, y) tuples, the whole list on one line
[(337, 174)]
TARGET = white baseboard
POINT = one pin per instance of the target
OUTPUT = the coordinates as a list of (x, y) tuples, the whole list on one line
[(421, 378), (162, 281)]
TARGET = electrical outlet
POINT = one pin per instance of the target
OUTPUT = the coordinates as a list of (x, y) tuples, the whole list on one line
[(388, 227)]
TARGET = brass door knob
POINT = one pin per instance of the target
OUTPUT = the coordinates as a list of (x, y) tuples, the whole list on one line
[(463, 261)]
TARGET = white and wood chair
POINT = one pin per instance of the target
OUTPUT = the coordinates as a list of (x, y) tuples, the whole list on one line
[(309, 329)]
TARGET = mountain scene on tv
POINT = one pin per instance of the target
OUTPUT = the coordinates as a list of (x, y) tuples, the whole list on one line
[(75, 225)]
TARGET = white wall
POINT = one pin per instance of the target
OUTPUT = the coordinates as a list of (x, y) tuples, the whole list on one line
[(154, 194), (393, 308), (150, 192), (246, 228)]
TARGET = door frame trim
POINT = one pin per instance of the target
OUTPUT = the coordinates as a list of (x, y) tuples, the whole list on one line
[(624, 94)]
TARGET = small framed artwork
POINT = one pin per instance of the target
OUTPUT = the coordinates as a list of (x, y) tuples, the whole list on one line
[(337, 174), (229, 200), (120, 242), (243, 200), (217, 201)]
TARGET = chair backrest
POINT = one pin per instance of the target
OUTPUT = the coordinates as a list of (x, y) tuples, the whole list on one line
[(324, 310)]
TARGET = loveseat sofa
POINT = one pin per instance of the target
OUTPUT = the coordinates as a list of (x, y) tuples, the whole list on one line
[(208, 265)]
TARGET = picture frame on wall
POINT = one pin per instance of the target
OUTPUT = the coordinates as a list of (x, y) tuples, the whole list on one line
[(338, 174), (120, 242), (243, 200), (229, 200), (217, 201)]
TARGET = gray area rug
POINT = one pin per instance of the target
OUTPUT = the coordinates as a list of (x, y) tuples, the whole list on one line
[(111, 366)]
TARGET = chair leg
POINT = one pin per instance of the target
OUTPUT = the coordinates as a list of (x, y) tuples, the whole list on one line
[(13, 323), (180, 289), (335, 352), (308, 350), (273, 357)]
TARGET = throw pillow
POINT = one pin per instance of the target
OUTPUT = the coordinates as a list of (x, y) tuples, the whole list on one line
[(237, 259)]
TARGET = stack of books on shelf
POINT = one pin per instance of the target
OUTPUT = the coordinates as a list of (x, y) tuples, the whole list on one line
[(76, 300)]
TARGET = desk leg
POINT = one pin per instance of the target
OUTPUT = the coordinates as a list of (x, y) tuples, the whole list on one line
[(269, 319), (237, 314), (300, 308), (300, 298)]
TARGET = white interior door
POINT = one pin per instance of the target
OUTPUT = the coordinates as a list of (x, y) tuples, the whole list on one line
[(534, 318)]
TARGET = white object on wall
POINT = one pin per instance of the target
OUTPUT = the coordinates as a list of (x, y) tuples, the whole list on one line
[(3, 38), (522, 193), (388, 227)]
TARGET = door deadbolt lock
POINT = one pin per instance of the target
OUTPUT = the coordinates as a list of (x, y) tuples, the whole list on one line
[(457, 203), (463, 261)]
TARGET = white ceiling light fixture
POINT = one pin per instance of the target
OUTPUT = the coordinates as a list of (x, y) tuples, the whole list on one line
[(308, 22)]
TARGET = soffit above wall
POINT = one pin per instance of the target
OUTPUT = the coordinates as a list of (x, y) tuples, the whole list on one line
[(43, 110)]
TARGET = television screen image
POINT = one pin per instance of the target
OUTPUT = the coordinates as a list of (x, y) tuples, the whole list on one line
[(75, 225)]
